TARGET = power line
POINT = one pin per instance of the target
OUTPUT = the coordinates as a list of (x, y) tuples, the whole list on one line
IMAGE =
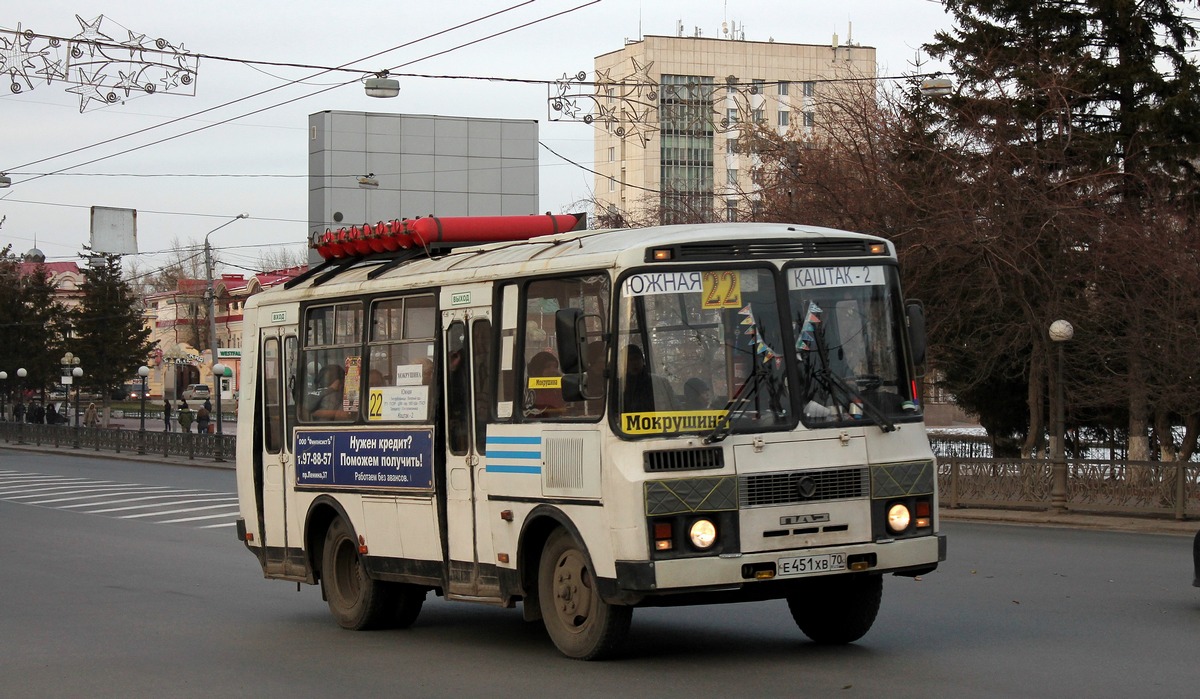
[(257, 94)]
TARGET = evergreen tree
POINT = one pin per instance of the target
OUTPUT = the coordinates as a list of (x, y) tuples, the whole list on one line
[(110, 336), (1092, 109), (31, 324)]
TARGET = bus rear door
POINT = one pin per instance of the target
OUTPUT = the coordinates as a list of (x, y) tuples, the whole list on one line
[(278, 354)]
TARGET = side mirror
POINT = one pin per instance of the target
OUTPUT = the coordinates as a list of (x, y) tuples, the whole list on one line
[(915, 312), (570, 334)]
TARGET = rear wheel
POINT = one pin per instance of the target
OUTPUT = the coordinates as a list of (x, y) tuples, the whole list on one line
[(357, 601), (838, 609), (581, 624)]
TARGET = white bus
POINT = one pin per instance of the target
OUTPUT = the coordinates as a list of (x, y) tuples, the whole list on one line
[(588, 422)]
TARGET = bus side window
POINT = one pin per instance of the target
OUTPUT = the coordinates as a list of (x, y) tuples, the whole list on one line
[(542, 383), (272, 403), (458, 389), (291, 360), (483, 375), (506, 393)]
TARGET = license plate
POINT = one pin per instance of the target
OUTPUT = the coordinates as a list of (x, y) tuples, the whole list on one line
[(809, 565)]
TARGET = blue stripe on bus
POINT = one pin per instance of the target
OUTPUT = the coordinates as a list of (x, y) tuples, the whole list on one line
[(504, 468), (513, 440), (514, 454)]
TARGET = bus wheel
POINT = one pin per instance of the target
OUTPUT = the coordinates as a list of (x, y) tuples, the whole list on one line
[(581, 624), (357, 601), (408, 600), (838, 609)]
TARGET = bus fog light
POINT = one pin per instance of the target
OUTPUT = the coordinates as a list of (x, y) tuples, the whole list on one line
[(703, 534), (898, 518)]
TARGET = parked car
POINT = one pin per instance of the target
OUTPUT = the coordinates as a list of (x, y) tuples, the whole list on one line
[(197, 391)]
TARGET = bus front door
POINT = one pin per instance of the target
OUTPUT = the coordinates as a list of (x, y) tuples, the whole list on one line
[(471, 571)]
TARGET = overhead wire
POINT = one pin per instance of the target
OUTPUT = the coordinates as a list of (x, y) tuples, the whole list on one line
[(257, 94)]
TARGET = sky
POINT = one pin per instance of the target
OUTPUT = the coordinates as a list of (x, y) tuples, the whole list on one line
[(247, 150)]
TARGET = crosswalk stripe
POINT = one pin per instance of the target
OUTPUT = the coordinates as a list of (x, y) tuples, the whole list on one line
[(157, 504), (105, 498), (172, 512), (156, 496)]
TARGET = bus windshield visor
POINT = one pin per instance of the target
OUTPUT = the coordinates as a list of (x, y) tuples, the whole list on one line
[(848, 323), (701, 352)]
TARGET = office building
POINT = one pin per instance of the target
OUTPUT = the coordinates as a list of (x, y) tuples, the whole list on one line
[(670, 110)]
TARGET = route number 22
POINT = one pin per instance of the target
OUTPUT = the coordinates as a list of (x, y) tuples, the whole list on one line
[(722, 288)]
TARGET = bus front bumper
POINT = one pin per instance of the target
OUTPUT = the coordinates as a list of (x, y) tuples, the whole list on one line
[(738, 572)]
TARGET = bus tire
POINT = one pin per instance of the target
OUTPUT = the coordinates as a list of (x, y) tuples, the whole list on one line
[(581, 624), (408, 600), (356, 601), (838, 609)]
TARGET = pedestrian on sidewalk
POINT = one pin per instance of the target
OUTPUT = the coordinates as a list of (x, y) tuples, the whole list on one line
[(90, 417), (167, 415), (202, 416)]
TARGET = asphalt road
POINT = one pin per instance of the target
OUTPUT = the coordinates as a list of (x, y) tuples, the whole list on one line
[(98, 602)]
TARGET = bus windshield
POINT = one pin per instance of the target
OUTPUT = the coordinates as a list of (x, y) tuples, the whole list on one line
[(701, 352), (848, 324)]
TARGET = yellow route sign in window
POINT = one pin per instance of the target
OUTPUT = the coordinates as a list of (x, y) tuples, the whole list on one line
[(722, 288)]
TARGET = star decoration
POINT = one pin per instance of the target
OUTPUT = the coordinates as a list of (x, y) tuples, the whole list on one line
[(129, 81), (135, 43), (88, 90), (16, 57), (91, 33), (603, 81)]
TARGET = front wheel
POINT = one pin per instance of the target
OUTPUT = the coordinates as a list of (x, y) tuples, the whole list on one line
[(838, 609), (356, 601), (581, 624)]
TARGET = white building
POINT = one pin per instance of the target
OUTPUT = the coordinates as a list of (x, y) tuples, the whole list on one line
[(670, 110)]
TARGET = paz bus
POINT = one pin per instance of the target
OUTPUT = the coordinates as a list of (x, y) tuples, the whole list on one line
[(511, 409)]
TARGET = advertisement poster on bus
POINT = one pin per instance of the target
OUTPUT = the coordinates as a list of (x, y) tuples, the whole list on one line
[(385, 459)]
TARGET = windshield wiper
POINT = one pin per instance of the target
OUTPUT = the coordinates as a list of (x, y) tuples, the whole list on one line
[(725, 425), (833, 384), (854, 396)]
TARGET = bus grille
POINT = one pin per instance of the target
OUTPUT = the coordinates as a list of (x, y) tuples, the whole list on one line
[(683, 459), (803, 486)]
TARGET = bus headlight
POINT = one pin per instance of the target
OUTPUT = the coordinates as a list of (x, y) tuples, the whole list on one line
[(703, 534), (898, 518)]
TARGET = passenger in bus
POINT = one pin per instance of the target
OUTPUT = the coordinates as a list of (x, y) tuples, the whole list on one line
[(641, 391), (327, 404), (376, 378), (596, 383), (426, 371), (544, 401), (696, 395)]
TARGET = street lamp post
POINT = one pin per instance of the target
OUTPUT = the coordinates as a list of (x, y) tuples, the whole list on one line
[(71, 372), (143, 371), (21, 374), (1061, 332), (76, 374), (217, 369), (218, 374)]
